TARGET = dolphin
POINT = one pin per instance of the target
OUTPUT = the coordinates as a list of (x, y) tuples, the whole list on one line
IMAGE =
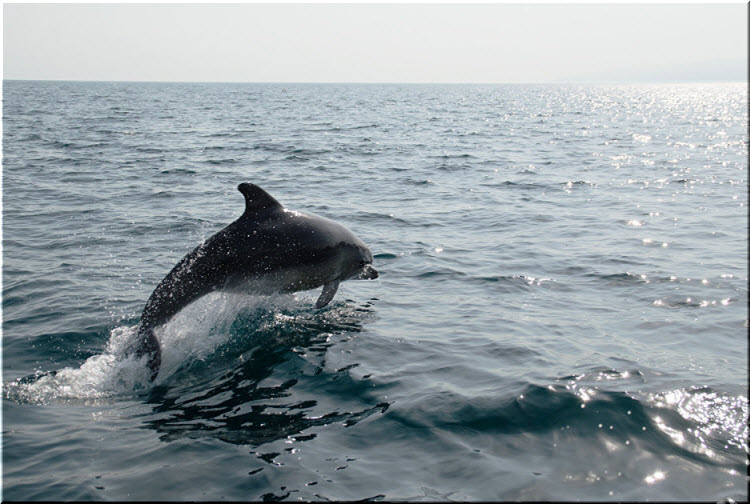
[(268, 249)]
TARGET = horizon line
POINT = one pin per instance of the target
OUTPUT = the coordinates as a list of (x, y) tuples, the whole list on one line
[(557, 82)]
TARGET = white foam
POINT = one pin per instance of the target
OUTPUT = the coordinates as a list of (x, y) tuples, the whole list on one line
[(193, 334), (201, 327), (101, 375)]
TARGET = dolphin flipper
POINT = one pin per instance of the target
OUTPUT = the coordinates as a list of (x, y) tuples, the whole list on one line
[(329, 290)]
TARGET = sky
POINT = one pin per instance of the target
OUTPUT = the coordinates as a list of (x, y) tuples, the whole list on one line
[(404, 43)]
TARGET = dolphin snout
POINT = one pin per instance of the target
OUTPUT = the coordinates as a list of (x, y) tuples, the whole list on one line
[(368, 273)]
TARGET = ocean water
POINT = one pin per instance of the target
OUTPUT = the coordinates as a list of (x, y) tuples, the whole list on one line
[(561, 311)]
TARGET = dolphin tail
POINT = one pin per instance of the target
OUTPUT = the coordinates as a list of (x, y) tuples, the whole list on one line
[(147, 344)]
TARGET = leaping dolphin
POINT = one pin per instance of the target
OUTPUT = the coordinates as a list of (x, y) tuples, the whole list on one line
[(267, 249)]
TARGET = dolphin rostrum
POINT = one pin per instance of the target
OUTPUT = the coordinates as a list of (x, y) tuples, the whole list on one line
[(267, 249)]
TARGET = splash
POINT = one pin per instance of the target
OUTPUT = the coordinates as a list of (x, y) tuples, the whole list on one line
[(192, 335), (104, 375)]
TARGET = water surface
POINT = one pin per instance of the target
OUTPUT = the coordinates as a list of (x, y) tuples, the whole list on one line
[(561, 311)]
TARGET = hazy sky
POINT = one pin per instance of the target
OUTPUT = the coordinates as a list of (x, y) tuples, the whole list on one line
[(376, 42)]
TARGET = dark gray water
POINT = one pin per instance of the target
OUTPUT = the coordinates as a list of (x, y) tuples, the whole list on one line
[(561, 311)]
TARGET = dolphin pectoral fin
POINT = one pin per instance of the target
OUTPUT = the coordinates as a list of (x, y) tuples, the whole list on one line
[(329, 290)]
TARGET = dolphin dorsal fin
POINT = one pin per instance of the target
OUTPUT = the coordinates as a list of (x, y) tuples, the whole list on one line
[(256, 199)]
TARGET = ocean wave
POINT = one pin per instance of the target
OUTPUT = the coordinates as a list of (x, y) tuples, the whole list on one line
[(693, 424)]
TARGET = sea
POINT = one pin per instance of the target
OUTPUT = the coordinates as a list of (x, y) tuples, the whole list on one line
[(561, 311)]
